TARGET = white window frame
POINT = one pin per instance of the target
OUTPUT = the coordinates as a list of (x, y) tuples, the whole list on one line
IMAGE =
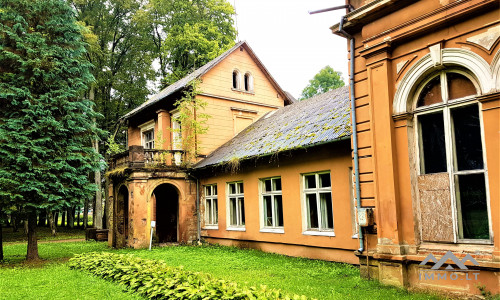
[(240, 214), (445, 107), (273, 193), (211, 211), (145, 128), (250, 82), (312, 231), (176, 136), (238, 80)]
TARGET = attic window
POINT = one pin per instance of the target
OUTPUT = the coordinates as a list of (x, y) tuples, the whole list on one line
[(236, 79), (248, 81)]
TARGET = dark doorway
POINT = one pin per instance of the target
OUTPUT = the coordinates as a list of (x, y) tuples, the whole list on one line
[(122, 215), (167, 211)]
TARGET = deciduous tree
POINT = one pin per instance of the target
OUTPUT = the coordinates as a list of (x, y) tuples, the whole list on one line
[(326, 80), (46, 125)]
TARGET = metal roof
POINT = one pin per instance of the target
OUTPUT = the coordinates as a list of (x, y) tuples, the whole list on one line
[(321, 119)]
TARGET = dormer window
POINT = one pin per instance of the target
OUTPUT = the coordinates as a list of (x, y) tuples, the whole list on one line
[(248, 82), (236, 80)]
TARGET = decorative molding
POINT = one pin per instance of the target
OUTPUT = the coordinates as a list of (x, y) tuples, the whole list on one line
[(244, 110), (495, 69), (452, 57), (238, 100), (401, 65), (436, 55), (486, 39)]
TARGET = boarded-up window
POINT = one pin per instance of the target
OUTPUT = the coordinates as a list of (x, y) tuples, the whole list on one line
[(241, 123)]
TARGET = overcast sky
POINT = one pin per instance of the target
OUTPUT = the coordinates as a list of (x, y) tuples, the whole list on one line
[(292, 44)]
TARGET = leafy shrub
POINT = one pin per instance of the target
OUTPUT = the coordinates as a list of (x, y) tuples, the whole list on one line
[(155, 280)]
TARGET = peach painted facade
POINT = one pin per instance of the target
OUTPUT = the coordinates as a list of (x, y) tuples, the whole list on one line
[(292, 238), (151, 181), (426, 88)]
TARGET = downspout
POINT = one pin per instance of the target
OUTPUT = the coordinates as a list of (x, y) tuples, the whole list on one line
[(354, 130)]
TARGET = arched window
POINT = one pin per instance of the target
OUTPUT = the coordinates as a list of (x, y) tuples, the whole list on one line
[(248, 82), (450, 156), (236, 79)]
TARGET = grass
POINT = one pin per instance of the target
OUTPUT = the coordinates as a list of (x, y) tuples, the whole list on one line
[(56, 281), (313, 278), (43, 234)]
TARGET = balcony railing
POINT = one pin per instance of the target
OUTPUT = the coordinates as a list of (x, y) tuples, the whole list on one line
[(138, 157)]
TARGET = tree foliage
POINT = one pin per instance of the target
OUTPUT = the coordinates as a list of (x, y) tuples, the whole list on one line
[(46, 125), (326, 80)]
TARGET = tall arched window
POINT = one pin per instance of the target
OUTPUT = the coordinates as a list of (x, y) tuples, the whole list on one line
[(451, 161), (236, 79), (248, 82)]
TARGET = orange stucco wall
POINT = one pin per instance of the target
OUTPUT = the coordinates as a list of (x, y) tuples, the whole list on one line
[(332, 157), (386, 49)]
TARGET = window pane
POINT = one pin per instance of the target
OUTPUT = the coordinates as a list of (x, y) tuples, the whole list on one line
[(278, 207), (214, 189), (471, 192), (241, 203), (208, 212), (246, 82), (433, 144), (216, 211), (232, 188), (232, 209), (235, 80), (459, 86), (431, 93), (268, 185), (208, 191), (312, 211), (310, 181), (468, 147), (268, 212), (326, 211), (277, 184), (324, 180), (240, 187)]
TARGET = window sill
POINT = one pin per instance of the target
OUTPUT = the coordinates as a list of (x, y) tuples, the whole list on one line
[(319, 233), (236, 229), (243, 91), (272, 230), (211, 227)]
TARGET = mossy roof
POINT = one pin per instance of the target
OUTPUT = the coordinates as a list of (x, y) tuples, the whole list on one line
[(318, 120)]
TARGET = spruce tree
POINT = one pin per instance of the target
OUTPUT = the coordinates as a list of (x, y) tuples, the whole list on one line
[(46, 125)]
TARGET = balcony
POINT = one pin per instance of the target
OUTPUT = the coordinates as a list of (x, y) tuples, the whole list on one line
[(138, 157)]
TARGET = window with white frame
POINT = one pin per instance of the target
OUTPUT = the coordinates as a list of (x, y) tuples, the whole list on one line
[(148, 134), (450, 145), (248, 82), (211, 206), (236, 204), (318, 201), (272, 203), (236, 80)]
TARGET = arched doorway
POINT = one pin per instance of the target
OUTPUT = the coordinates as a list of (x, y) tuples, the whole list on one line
[(166, 213), (122, 217)]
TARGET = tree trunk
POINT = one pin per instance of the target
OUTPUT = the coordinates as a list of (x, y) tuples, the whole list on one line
[(78, 209), (52, 222), (1, 242), (42, 216), (86, 213), (71, 217), (25, 222), (63, 218), (32, 242), (13, 221)]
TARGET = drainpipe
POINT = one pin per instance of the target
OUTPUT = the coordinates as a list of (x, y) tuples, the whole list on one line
[(354, 130)]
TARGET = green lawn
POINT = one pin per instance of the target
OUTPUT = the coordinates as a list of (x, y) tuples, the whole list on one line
[(43, 234), (313, 278)]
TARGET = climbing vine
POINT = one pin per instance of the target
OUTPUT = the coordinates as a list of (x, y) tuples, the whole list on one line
[(193, 121)]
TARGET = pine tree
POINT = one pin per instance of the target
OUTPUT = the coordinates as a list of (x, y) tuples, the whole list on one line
[(46, 125)]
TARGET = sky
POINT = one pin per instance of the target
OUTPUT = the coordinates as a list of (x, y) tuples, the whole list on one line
[(292, 44)]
